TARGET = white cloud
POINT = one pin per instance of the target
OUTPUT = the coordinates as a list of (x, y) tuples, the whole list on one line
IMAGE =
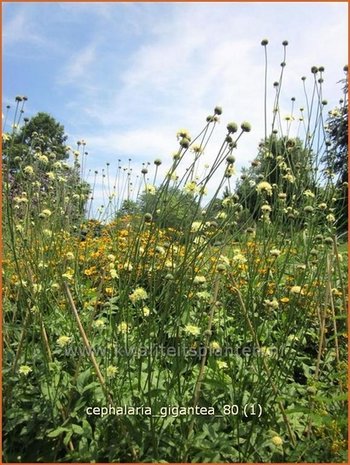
[(20, 28), (76, 71)]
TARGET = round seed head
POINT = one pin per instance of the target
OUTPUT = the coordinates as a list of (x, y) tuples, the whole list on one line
[(230, 159), (245, 126), (232, 127), (185, 143)]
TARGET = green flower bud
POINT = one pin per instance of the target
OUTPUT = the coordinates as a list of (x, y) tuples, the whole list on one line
[(232, 127), (245, 126), (185, 143)]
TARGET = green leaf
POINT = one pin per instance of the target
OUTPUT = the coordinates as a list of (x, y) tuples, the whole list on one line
[(77, 429), (56, 432), (82, 380), (67, 438), (330, 399), (87, 429)]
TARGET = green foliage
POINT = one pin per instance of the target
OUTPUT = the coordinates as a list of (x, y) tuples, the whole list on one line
[(128, 207), (43, 134), (286, 165), (336, 155), (174, 208), (36, 174)]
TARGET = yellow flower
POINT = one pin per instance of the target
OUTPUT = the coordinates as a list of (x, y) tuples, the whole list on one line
[(264, 186), (265, 351), (221, 364), (309, 193), (138, 294), (146, 311), (159, 249), (63, 341), (43, 159), (29, 170), (24, 370), (191, 329), (183, 133), (330, 218), (111, 371), (227, 202), (296, 290), (196, 225), (266, 208), (284, 300), (113, 273), (277, 441), (214, 345), (275, 252), (199, 280), (90, 271), (99, 323), (127, 266), (230, 171), (336, 292), (150, 189), (272, 303), (221, 216), (68, 274), (191, 187), (123, 327), (196, 148), (238, 257), (45, 213)]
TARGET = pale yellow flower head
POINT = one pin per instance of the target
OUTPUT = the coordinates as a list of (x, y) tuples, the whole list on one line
[(264, 186), (138, 294), (192, 329), (24, 370), (62, 341)]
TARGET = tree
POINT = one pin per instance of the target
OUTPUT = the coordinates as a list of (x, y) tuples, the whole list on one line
[(336, 156), (34, 158), (43, 133), (128, 207), (286, 165), (171, 209)]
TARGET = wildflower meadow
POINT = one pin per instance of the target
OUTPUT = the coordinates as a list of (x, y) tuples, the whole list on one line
[(199, 315)]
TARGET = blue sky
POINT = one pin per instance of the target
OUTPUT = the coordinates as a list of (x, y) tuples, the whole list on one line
[(126, 76)]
